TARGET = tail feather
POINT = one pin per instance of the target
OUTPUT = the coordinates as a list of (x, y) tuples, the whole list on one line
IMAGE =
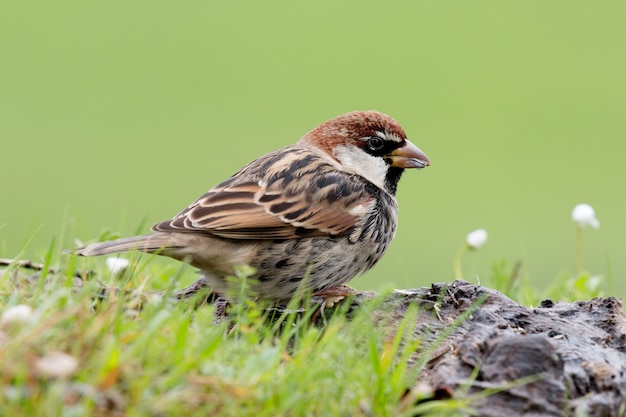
[(146, 243)]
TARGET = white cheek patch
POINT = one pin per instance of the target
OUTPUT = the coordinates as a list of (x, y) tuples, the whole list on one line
[(356, 161)]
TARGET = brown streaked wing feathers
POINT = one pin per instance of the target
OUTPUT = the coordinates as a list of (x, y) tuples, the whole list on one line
[(268, 205)]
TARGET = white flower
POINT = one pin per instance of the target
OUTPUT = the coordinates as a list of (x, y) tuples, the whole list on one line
[(18, 314), (584, 215), (56, 365), (117, 265), (476, 239)]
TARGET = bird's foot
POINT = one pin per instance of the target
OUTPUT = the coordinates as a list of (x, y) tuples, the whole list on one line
[(331, 296)]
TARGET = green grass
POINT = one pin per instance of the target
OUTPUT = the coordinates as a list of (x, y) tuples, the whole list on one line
[(142, 354), (170, 358)]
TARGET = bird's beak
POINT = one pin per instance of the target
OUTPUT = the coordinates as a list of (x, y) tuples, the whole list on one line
[(408, 156)]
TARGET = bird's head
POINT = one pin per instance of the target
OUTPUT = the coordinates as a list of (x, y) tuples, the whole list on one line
[(370, 144)]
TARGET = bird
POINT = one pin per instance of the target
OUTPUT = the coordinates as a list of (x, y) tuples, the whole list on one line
[(310, 215)]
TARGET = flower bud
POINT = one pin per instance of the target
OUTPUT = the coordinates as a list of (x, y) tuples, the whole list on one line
[(476, 239), (56, 365), (18, 314), (117, 265), (584, 215)]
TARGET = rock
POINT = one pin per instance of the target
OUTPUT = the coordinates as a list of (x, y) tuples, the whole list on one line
[(574, 354)]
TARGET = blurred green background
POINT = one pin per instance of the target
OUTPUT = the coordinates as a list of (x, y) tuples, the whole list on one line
[(118, 112)]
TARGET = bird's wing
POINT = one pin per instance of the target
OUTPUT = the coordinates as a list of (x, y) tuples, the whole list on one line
[(282, 195)]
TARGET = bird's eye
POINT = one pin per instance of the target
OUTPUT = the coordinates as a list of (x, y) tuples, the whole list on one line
[(375, 143)]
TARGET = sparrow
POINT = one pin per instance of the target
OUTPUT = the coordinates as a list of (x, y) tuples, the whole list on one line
[(314, 214)]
